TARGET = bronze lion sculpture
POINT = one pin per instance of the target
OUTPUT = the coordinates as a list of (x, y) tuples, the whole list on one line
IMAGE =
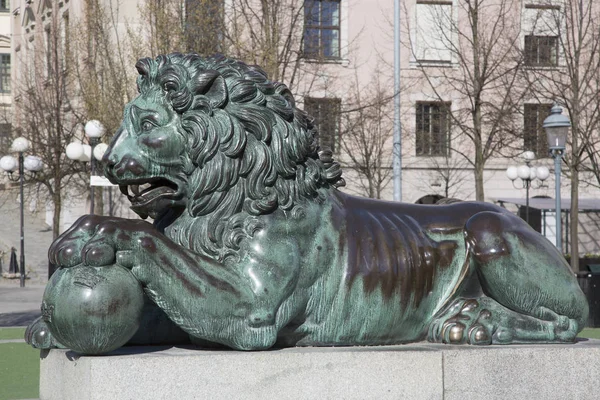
[(253, 245)]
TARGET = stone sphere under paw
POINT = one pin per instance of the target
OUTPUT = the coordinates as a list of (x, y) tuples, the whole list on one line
[(93, 310)]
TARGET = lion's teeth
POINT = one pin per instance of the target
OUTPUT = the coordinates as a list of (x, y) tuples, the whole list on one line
[(135, 189)]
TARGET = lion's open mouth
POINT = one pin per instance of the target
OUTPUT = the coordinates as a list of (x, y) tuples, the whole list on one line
[(151, 198)]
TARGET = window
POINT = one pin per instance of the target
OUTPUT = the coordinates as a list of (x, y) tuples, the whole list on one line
[(4, 73), (4, 5), (541, 51), (49, 50), (322, 28), (4, 135), (433, 129), (534, 136), (433, 36), (64, 35), (326, 112)]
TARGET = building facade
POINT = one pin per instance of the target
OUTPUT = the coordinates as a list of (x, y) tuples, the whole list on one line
[(5, 73), (472, 93)]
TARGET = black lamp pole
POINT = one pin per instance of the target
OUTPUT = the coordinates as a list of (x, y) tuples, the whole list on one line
[(22, 183)]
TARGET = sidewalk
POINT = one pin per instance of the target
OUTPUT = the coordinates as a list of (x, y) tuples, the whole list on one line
[(38, 237), (19, 306)]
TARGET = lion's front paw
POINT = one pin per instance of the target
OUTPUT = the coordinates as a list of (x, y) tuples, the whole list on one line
[(95, 241)]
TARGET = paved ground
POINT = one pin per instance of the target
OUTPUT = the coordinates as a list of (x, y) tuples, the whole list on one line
[(38, 237), (19, 306)]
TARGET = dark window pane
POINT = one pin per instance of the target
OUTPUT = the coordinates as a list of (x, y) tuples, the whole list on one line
[(530, 51), (311, 13), (534, 135), (311, 41), (330, 13), (329, 40), (4, 135)]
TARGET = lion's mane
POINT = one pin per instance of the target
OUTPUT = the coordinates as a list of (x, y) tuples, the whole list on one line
[(251, 151)]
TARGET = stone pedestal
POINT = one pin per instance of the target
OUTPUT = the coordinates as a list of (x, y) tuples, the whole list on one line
[(419, 371)]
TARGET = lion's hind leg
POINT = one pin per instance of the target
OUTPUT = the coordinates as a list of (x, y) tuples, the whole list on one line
[(529, 290)]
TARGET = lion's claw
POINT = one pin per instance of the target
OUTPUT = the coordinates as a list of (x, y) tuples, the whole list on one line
[(465, 322)]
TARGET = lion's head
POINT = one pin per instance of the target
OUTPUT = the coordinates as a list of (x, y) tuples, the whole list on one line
[(215, 137)]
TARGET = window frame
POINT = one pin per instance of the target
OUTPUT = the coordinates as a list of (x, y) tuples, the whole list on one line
[(4, 6), (444, 107), (318, 27), (319, 108)]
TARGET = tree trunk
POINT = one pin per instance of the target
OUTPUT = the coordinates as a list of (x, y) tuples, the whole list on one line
[(574, 223), (574, 170), (479, 194)]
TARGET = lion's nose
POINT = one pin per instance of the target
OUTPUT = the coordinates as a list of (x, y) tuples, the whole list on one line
[(109, 160)]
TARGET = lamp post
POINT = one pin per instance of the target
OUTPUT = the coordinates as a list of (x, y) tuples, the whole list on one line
[(31, 164), (528, 174), (557, 129), (92, 152)]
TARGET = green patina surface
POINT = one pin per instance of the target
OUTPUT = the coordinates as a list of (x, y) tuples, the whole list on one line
[(254, 246)]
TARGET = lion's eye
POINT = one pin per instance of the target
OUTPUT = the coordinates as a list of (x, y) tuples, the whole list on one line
[(147, 125)]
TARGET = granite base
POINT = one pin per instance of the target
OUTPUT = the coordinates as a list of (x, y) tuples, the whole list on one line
[(416, 371)]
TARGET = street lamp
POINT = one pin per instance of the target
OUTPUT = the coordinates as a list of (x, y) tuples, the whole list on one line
[(528, 174), (30, 164), (557, 129), (92, 152)]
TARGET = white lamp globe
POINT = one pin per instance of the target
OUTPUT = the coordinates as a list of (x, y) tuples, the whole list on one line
[(543, 173), (33, 163), (523, 172), (532, 173), (8, 163), (99, 151), (511, 173), (529, 156), (20, 145), (74, 151), (94, 129), (87, 153)]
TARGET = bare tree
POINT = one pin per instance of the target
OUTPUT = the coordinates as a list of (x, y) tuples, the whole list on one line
[(472, 59), (101, 59), (45, 111), (366, 135), (448, 176), (101, 54), (267, 33), (570, 74)]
